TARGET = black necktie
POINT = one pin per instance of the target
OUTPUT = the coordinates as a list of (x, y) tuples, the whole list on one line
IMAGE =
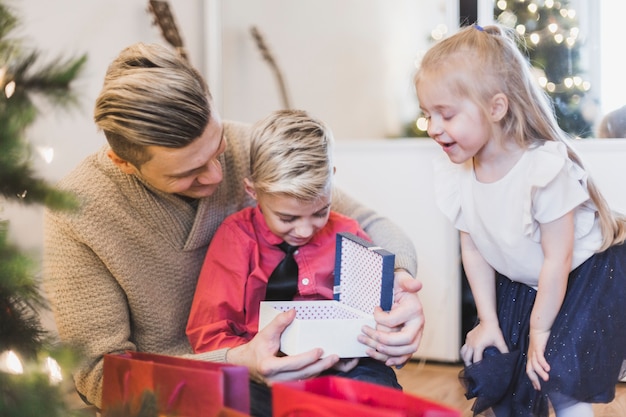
[(282, 285)]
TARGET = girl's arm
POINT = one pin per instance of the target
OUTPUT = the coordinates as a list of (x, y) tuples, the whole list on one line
[(557, 242), (481, 277)]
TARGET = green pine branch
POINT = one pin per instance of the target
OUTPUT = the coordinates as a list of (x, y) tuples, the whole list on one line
[(31, 394), (20, 327), (52, 80), (8, 22), (22, 78), (25, 81)]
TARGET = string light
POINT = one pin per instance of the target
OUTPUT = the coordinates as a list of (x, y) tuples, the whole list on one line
[(53, 369), (553, 32), (535, 38), (439, 32), (10, 363), (422, 123), (9, 89), (46, 153)]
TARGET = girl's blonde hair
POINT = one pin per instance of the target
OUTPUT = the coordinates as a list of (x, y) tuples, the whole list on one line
[(479, 63), (292, 154)]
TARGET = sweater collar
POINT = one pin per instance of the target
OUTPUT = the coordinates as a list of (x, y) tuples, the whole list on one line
[(169, 215)]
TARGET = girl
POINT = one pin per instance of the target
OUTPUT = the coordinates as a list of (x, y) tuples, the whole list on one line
[(541, 249)]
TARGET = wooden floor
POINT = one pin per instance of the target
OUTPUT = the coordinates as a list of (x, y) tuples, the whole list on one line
[(439, 382)]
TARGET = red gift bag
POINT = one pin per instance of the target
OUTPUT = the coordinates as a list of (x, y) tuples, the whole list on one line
[(183, 387), (331, 396), (229, 412)]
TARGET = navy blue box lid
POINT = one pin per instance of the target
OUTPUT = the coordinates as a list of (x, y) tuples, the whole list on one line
[(363, 274)]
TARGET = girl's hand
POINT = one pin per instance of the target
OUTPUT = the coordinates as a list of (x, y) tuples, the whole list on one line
[(482, 336), (536, 365)]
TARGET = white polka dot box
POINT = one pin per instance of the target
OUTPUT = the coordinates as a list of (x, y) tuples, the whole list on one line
[(363, 280)]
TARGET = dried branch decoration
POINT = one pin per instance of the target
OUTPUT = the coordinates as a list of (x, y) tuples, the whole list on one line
[(164, 19), (267, 56)]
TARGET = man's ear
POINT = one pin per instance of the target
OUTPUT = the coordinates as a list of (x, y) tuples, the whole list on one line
[(249, 187), (499, 107), (122, 164)]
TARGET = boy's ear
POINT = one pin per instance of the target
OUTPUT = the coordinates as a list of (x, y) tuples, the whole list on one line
[(499, 107), (249, 187), (125, 166)]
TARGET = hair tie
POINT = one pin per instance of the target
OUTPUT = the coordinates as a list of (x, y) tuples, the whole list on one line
[(478, 27)]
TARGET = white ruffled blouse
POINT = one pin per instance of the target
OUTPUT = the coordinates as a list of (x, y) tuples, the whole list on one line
[(503, 217)]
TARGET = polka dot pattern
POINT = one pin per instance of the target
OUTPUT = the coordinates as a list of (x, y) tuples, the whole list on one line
[(321, 310), (361, 276)]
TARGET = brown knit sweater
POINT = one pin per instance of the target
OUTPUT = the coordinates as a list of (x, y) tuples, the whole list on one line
[(121, 272)]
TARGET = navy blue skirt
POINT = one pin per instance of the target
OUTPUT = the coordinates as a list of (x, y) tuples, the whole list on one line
[(586, 348)]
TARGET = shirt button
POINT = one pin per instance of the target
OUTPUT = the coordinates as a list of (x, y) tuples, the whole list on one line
[(305, 281)]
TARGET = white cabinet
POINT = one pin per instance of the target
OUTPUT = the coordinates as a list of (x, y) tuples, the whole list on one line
[(606, 161), (394, 176)]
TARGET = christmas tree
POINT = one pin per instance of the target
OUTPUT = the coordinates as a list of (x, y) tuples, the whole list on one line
[(551, 33), (31, 364)]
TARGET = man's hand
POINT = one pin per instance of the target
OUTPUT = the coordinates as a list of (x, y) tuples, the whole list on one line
[(399, 331)]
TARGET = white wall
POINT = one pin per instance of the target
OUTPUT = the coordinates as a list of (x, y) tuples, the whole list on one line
[(605, 160), (349, 62)]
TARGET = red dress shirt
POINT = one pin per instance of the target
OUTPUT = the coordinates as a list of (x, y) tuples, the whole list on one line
[(233, 279)]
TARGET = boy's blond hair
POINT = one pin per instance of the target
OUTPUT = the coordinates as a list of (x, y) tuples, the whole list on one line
[(292, 154)]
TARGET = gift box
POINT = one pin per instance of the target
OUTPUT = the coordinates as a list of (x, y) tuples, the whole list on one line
[(363, 280)]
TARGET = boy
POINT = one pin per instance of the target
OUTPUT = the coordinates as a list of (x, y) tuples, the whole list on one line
[(291, 180)]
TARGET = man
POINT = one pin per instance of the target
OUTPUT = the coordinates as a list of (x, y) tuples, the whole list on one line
[(121, 271)]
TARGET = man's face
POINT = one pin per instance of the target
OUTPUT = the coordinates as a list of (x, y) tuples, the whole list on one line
[(193, 171)]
